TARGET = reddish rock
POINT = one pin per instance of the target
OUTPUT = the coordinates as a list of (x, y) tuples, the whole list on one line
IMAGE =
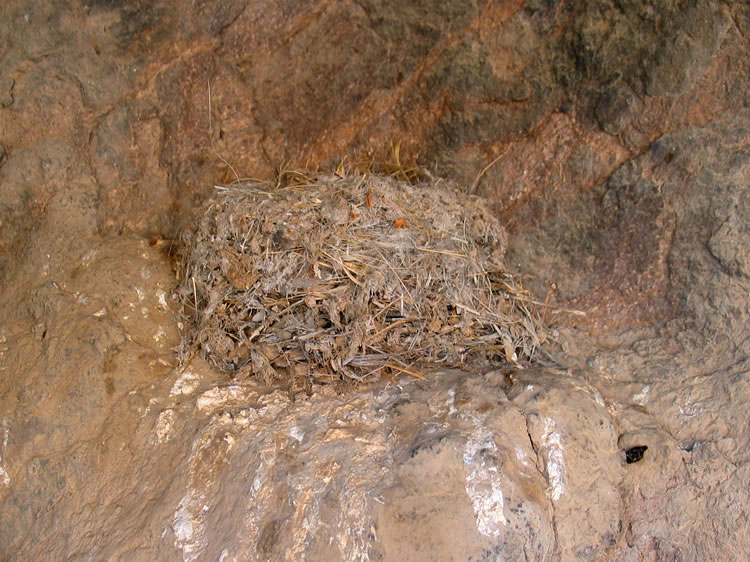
[(611, 139)]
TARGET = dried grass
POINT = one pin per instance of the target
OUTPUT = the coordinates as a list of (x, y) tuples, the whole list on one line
[(340, 278)]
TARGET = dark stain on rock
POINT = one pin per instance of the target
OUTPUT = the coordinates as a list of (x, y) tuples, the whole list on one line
[(635, 454), (269, 536)]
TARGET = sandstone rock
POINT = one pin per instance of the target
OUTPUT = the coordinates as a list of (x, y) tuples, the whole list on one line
[(610, 138)]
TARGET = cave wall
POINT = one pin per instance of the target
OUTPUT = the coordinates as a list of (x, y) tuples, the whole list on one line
[(610, 137), (148, 105)]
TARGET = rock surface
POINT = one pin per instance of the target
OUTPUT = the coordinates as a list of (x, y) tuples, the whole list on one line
[(165, 460), (611, 138)]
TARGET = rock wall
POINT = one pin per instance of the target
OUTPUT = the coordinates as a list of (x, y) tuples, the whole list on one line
[(611, 138)]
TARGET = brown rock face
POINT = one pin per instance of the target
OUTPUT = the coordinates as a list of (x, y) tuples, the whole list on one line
[(611, 139)]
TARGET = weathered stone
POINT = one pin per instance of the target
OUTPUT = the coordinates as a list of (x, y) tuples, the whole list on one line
[(611, 139)]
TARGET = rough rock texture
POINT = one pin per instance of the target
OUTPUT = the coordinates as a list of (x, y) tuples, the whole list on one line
[(612, 140), (153, 461), (454, 468)]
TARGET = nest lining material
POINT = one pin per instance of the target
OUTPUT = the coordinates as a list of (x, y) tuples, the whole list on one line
[(341, 278)]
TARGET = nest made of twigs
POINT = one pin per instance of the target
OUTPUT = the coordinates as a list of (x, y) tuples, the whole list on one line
[(340, 278)]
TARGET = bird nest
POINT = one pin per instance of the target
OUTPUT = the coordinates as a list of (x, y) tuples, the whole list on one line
[(343, 278)]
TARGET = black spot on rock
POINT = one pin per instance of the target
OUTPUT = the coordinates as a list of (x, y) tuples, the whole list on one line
[(634, 454)]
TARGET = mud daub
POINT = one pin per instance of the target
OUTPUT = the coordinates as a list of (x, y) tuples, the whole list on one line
[(345, 278)]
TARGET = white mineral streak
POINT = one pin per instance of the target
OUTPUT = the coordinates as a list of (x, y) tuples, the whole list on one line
[(306, 517), (554, 459), (218, 397), (297, 433), (641, 398), (161, 296), (592, 391), (160, 334), (189, 528), (260, 436), (690, 409), (260, 498), (189, 522), (451, 401), (355, 507), (186, 383), (182, 527), (87, 257), (163, 426), (483, 482), (4, 477), (523, 457), (260, 476)]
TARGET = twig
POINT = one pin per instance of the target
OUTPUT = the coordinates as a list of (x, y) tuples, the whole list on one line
[(474, 185), (407, 371), (375, 336)]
